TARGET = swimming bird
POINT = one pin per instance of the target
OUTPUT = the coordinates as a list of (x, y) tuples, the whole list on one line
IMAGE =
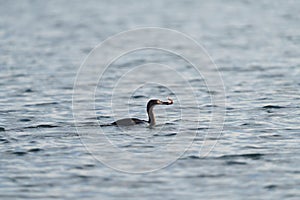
[(151, 118)]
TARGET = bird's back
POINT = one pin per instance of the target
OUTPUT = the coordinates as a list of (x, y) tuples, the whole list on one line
[(128, 122)]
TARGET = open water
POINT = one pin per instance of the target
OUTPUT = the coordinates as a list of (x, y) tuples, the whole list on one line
[(255, 45)]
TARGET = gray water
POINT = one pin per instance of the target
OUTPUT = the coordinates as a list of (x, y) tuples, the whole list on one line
[(256, 48)]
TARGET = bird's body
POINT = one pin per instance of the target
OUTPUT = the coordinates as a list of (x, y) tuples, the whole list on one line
[(151, 117), (128, 122)]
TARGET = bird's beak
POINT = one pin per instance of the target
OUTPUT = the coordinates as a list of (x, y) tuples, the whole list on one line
[(169, 102)]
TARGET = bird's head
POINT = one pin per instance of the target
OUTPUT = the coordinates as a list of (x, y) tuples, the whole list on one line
[(154, 102)]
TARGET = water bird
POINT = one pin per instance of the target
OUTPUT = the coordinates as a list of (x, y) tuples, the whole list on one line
[(151, 118)]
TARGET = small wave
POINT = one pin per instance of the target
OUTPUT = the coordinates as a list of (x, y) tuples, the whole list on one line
[(138, 96), (270, 136), (197, 80), (254, 156), (83, 176), (126, 145), (35, 150), (4, 141), (8, 111), (19, 153), (170, 134), (210, 106), (148, 146), (169, 123), (235, 163), (85, 166), (246, 124), (165, 135), (193, 157), (199, 128), (243, 91), (24, 120), (206, 176), (41, 104), (42, 126), (100, 117), (273, 107), (2, 129), (270, 187), (229, 108), (89, 165), (254, 147), (28, 90)]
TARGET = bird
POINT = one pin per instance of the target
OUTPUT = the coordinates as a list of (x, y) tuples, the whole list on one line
[(151, 118)]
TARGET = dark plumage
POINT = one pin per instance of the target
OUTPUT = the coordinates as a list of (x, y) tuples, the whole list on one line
[(151, 117)]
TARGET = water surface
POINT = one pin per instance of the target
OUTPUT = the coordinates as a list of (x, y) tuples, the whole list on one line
[(255, 45)]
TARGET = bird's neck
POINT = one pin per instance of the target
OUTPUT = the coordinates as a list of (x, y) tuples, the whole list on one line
[(151, 116)]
